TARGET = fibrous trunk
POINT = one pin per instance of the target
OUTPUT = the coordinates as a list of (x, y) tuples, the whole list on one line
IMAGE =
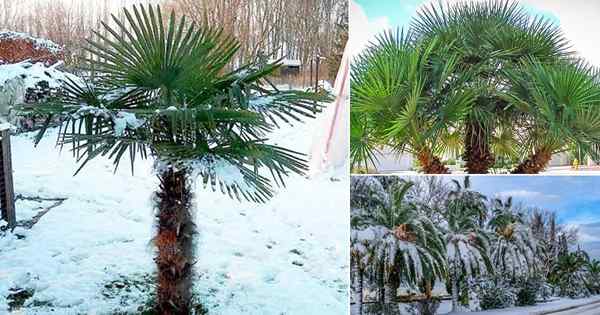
[(389, 293), (454, 281), (431, 164), (381, 283), (428, 289), (478, 156), (358, 288), (391, 287), (174, 242), (534, 163)]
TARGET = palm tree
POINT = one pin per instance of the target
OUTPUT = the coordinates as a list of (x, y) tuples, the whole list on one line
[(406, 243), (513, 248), (164, 91), (405, 93), (466, 240), (504, 144), (568, 273), (486, 38), (361, 262), (363, 144), (563, 103), (593, 281)]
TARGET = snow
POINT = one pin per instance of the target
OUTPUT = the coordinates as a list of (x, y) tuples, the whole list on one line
[(96, 111), (288, 62), (221, 170), (33, 73), (124, 120), (288, 256), (260, 102), (6, 126), (540, 308)]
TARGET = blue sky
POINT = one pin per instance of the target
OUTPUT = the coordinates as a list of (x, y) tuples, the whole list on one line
[(399, 12), (578, 19), (575, 199)]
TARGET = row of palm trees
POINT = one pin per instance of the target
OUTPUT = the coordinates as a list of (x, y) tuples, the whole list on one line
[(481, 81), (400, 239)]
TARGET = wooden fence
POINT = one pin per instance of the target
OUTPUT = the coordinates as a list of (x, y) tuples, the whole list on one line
[(7, 193)]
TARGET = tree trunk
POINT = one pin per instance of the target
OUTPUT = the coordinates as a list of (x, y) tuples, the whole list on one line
[(358, 288), (431, 164), (389, 296), (428, 288), (391, 286), (454, 281), (478, 156), (381, 284), (174, 243), (534, 163)]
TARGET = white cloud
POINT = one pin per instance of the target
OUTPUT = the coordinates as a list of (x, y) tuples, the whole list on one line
[(362, 30), (580, 22), (526, 194)]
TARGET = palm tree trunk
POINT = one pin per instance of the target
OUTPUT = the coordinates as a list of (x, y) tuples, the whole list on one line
[(358, 288), (174, 243), (478, 156), (430, 163), (454, 281), (381, 284), (428, 289), (389, 293), (535, 162), (391, 286)]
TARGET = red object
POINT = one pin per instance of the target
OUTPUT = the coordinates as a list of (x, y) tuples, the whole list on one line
[(17, 47)]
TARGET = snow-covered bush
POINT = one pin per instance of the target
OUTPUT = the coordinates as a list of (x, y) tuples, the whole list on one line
[(494, 292), (528, 288), (424, 307), (545, 291), (29, 83), (569, 275)]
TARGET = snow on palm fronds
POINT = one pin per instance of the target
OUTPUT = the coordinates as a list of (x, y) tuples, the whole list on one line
[(367, 191), (513, 249), (400, 237), (569, 274), (466, 240), (469, 253)]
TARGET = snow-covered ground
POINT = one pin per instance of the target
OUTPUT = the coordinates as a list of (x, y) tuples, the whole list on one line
[(562, 306), (554, 170), (92, 254)]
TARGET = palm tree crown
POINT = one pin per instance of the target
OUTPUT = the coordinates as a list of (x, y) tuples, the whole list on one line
[(164, 89)]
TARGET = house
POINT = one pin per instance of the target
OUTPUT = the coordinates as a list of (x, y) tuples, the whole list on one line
[(290, 67)]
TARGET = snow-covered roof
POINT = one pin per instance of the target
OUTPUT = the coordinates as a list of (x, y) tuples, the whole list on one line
[(33, 73), (38, 43), (289, 62)]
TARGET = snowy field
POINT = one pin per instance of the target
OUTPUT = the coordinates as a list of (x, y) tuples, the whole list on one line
[(560, 306), (554, 170), (92, 254)]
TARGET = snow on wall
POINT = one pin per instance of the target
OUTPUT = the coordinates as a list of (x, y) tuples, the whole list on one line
[(34, 73)]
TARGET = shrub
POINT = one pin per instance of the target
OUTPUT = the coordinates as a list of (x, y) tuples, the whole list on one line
[(527, 290), (494, 293)]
